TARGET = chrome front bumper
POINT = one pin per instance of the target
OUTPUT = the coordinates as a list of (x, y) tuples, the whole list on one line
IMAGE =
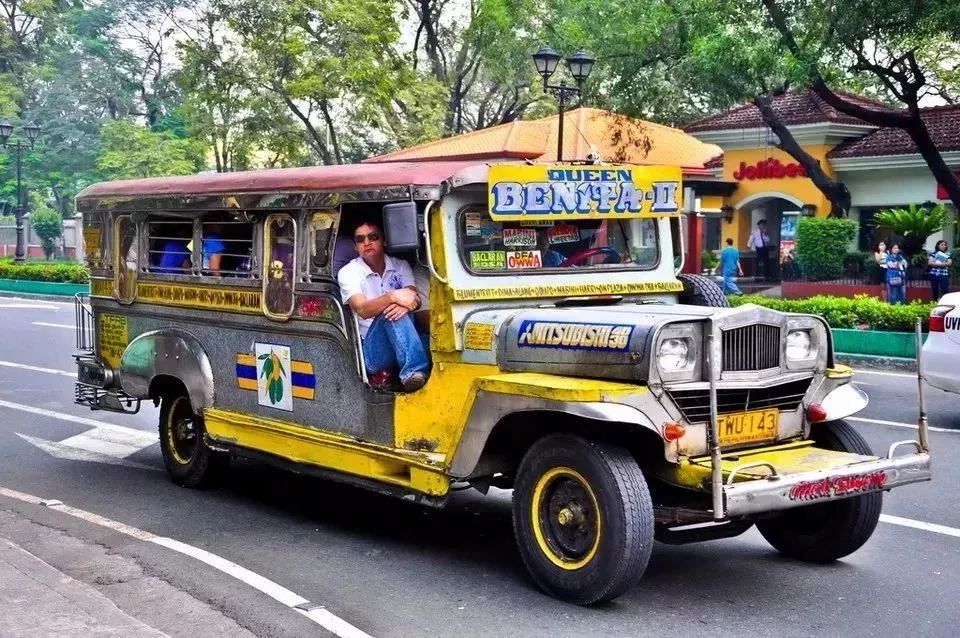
[(780, 492)]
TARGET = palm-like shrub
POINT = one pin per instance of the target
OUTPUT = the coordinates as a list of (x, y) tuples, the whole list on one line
[(914, 223)]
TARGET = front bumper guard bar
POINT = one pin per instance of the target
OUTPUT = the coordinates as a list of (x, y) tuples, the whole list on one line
[(779, 491)]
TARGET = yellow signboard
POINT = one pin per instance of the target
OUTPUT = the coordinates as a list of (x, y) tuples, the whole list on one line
[(478, 336), (229, 299), (567, 290), (519, 192), (101, 287), (114, 337), (91, 246)]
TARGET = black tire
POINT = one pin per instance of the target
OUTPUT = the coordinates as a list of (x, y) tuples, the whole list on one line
[(603, 547), (188, 460), (823, 533), (702, 291)]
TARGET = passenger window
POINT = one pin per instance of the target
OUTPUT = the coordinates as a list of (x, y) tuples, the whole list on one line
[(226, 247), (279, 249), (168, 245), (321, 240), (127, 258)]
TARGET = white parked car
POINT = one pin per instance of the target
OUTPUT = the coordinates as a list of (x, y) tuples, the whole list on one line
[(941, 352)]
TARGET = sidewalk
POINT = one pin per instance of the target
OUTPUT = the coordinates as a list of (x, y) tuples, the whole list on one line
[(38, 600)]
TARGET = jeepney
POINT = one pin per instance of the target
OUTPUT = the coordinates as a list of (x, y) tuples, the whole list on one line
[(622, 402)]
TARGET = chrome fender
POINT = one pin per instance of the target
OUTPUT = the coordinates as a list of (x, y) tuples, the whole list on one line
[(169, 352), (490, 407), (843, 401)]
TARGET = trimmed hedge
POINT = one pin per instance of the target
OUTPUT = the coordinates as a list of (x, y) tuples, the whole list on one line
[(862, 311), (822, 245), (67, 273)]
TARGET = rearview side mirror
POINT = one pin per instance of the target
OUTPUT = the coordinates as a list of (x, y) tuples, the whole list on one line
[(400, 227)]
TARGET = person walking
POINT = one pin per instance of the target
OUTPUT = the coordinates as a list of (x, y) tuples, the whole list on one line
[(760, 242), (730, 267), (896, 276), (939, 262)]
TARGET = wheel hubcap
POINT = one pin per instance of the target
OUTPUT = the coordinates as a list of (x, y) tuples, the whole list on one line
[(183, 432), (566, 518)]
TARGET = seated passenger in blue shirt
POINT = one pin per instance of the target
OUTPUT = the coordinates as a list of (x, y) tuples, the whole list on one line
[(175, 257)]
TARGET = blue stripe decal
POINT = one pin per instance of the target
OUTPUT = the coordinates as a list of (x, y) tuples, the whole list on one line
[(246, 372), (303, 380)]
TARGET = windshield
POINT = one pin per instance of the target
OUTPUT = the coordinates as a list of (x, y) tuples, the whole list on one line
[(491, 247)]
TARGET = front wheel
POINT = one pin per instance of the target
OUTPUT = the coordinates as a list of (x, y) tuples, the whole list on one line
[(823, 533), (186, 456), (583, 518)]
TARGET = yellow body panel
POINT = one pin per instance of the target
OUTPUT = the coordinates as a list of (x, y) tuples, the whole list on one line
[(418, 471), (789, 458)]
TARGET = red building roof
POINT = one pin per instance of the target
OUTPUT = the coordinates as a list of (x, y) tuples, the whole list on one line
[(943, 123), (793, 107)]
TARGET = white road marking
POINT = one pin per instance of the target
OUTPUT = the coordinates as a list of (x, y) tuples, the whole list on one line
[(886, 374), (928, 527), (63, 416), (316, 613), (912, 426), (23, 366), (30, 306), (55, 325)]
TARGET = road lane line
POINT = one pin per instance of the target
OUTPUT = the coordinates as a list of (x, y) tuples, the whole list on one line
[(54, 325), (927, 527), (317, 613), (29, 306), (912, 426), (23, 366), (63, 416)]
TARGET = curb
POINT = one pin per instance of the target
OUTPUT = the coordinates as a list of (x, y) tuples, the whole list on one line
[(876, 362), (48, 288), (9, 294)]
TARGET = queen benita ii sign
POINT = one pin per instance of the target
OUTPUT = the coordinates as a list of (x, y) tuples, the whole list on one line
[(520, 192)]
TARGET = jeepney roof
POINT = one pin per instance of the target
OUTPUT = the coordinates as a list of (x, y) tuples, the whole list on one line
[(344, 177)]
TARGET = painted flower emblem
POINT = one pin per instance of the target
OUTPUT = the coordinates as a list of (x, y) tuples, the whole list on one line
[(273, 372)]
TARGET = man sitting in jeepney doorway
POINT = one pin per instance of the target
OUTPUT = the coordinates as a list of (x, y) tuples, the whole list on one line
[(382, 292)]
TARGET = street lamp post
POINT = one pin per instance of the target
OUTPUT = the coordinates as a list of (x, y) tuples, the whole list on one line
[(579, 65), (31, 131)]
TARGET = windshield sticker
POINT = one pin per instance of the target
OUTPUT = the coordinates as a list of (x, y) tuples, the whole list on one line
[(536, 224), (581, 336), (513, 237), (563, 234), (567, 290), (490, 230), (576, 192), (488, 260), (523, 259), (473, 224)]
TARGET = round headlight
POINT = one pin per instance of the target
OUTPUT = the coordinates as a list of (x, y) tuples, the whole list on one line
[(799, 345), (673, 354)]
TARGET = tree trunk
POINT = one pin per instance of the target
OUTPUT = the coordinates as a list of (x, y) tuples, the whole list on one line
[(835, 191)]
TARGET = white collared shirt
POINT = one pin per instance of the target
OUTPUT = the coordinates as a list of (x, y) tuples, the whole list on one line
[(356, 278), (758, 239)]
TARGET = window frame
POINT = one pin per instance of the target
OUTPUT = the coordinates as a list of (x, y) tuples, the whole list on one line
[(267, 237), (120, 270)]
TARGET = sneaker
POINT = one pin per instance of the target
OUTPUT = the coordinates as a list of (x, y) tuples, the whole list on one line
[(414, 382), (381, 381)]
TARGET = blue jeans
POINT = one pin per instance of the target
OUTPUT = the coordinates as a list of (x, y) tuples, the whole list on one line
[(896, 294), (395, 345), (729, 287)]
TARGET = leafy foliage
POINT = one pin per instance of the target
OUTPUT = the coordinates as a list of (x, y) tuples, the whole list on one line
[(129, 151), (862, 311), (47, 224), (67, 273), (914, 223), (821, 244)]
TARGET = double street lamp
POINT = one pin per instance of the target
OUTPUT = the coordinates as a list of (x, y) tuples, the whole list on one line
[(31, 131), (579, 65)]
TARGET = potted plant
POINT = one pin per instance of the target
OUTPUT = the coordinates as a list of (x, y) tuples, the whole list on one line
[(709, 262)]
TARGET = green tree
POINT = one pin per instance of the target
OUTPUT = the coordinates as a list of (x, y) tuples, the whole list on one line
[(128, 151), (47, 223)]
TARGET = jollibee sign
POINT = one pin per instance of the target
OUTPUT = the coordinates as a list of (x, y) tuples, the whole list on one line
[(768, 169), (519, 192)]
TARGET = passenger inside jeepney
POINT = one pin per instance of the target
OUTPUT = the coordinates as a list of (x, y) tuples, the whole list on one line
[(382, 291)]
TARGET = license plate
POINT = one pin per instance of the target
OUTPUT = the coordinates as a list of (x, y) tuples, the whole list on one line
[(748, 427)]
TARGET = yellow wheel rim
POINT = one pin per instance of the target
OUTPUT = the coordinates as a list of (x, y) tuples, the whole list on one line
[(566, 519), (173, 426)]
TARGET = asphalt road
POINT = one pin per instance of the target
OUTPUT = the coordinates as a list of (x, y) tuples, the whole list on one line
[(392, 569)]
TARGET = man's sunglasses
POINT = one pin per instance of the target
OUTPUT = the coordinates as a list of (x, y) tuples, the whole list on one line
[(358, 239)]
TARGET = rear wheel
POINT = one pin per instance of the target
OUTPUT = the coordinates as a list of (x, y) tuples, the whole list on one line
[(823, 533), (702, 291), (186, 456), (583, 518)]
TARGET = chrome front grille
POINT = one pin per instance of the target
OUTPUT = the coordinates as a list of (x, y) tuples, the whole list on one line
[(751, 348), (695, 404)]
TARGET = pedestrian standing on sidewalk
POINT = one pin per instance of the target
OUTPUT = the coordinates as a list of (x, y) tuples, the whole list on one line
[(880, 255), (939, 262), (760, 241), (896, 276), (730, 267)]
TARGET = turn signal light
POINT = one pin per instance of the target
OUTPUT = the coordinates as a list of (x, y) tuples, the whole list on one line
[(816, 413), (673, 431), (936, 317)]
